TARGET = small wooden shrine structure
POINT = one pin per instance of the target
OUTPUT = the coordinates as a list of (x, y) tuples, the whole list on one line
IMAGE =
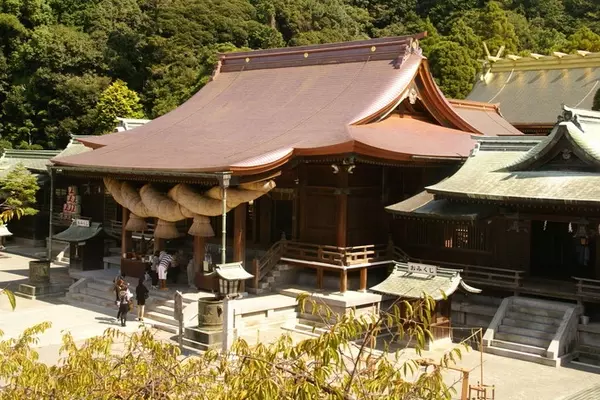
[(412, 281), (521, 215), (305, 144), (86, 244)]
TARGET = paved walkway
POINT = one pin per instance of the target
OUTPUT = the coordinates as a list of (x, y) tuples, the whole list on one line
[(513, 379)]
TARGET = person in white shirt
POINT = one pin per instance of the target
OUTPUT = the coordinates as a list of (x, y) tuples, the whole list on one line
[(165, 261)]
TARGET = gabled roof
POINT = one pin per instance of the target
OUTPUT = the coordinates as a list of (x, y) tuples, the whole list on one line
[(74, 147), (408, 285), (534, 169), (34, 160), (529, 90), (264, 107)]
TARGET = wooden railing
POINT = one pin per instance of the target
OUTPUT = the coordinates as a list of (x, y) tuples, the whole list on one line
[(399, 254), (263, 265), (587, 288), (341, 256), (489, 276)]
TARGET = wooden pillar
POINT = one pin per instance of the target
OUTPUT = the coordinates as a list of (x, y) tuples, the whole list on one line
[(125, 235), (319, 278), (363, 279), (266, 207), (342, 213), (301, 211), (239, 237), (159, 244), (343, 281), (342, 208)]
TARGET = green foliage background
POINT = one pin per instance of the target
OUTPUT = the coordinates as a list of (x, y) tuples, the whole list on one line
[(59, 58)]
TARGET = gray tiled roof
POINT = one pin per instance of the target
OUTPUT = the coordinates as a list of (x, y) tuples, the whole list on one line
[(74, 147), (496, 170), (402, 283), (534, 96), (423, 205), (33, 160)]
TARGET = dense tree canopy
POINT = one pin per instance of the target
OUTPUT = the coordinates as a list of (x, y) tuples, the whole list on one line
[(58, 57)]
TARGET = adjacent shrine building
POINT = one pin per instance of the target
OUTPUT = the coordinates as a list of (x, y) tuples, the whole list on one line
[(521, 215), (530, 89)]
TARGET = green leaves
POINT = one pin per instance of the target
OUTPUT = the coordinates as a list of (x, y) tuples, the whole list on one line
[(11, 297), (17, 194)]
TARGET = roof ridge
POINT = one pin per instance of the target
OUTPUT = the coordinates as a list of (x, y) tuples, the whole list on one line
[(15, 153), (328, 53), (339, 46)]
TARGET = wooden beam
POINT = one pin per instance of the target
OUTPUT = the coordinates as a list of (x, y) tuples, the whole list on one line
[(363, 280), (125, 235), (239, 236), (343, 281)]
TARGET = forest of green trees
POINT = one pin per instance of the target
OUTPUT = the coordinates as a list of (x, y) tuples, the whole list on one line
[(70, 66)]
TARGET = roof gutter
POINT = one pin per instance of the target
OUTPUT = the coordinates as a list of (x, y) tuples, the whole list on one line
[(215, 175)]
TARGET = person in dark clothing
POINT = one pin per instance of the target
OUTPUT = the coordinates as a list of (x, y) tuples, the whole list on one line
[(123, 307), (141, 293)]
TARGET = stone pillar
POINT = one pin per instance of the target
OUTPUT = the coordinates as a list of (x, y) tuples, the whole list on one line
[(228, 324)]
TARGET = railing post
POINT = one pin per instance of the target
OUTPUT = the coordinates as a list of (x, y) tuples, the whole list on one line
[(256, 270)]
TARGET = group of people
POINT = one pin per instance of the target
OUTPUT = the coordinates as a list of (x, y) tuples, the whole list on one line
[(125, 298)]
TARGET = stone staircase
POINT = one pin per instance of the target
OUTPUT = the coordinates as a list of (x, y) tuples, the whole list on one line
[(96, 292), (533, 330), (280, 274)]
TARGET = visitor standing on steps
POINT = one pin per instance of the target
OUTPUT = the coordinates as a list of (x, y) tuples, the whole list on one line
[(141, 293)]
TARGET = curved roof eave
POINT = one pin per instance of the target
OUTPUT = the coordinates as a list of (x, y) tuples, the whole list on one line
[(437, 104)]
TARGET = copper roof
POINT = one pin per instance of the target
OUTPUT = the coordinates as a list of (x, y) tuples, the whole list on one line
[(264, 107)]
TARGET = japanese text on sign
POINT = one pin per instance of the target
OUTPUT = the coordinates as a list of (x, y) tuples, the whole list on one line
[(422, 268)]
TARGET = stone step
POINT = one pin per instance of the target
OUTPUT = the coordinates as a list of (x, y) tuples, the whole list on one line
[(310, 328), (523, 348), (79, 298), (528, 340), (197, 345), (526, 332), (542, 312), (160, 317), (101, 286), (519, 323), (534, 318), (101, 294), (163, 309), (521, 356)]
